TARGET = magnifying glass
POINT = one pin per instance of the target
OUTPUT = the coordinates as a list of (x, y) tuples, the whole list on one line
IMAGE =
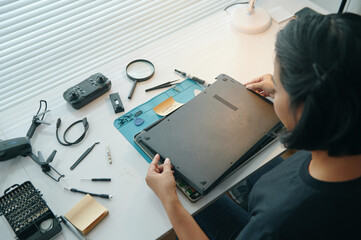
[(139, 70)]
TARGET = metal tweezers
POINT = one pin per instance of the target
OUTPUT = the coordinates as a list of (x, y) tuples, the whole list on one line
[(164, 85)]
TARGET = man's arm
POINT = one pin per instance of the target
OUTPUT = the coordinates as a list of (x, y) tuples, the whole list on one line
[(183, 223), (161, 180)]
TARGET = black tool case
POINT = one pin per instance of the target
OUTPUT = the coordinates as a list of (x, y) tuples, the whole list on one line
[(27, 213)]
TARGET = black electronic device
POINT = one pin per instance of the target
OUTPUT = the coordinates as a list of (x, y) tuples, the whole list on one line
[(28, 214), (87, 90), (14, 147), (205, 137), (116, 102), (22, 147)]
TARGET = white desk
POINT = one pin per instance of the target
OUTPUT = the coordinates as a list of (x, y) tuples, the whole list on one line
[(206, 49)]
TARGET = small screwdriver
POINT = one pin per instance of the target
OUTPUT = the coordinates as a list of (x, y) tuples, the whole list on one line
[(187, 75), (98, 179)]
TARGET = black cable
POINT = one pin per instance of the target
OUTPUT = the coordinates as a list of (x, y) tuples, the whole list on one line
[(67, 143), (225, 9)]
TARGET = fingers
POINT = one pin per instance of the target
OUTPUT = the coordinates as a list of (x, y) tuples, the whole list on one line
[(263, 85), (255, 86), (154, 163), (255, 80), (155, 159), (167, 166), (154, 167), (260, 79)]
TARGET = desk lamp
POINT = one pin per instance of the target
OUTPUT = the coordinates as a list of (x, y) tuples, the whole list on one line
[(250, 19)]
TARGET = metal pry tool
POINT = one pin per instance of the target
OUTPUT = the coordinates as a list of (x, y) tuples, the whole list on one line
[(109, 156), (163, 85)]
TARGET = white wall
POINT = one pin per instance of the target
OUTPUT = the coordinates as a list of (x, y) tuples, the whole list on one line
[(355, 7)]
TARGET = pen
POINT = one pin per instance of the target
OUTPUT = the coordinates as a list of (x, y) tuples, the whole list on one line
[(98, 179), (83, 156), (72, 228), (91, 194)]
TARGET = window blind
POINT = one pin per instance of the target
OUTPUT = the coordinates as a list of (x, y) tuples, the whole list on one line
[(46, 43)]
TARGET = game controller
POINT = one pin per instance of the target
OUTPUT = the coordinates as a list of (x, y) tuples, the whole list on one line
[(87, 90)]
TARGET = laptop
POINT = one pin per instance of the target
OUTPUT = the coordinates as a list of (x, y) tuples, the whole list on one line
[(213, 134)]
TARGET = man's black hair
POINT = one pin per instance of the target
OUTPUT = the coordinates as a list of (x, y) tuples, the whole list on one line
[(320, 68)]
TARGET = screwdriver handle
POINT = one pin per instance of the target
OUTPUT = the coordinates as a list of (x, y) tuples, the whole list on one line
[(101, 179), (200, 81)]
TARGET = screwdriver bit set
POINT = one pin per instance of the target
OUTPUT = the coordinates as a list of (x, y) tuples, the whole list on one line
[(27, 213)]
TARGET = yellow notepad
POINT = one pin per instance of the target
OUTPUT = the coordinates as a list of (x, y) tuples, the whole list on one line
[(86, 214)]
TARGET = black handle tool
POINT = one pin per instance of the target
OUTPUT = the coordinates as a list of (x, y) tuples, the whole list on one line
[(98, 179), (187, 75), (91, 194)]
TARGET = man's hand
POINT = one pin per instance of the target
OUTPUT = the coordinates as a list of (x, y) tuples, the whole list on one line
[(263, 85), (161, 180)]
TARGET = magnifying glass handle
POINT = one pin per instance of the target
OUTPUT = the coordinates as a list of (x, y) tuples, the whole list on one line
[(132, 90)]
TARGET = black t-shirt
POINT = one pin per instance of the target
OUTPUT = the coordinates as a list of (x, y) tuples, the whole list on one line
[(288, 203)]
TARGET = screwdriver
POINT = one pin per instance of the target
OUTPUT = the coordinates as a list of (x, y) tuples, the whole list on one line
[(98, 179), (187, 75)]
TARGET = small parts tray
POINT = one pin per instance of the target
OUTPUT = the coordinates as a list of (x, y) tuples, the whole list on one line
[(27, 213)]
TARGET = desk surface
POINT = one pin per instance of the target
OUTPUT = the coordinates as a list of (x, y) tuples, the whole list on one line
[(206, 49)]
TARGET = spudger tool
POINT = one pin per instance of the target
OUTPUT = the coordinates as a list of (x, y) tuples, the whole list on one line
[(163, 85), (187, 75), (109, 156), (83, 156), (91, 194)]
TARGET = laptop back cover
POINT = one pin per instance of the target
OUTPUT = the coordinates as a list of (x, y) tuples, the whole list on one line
[(207, 137)]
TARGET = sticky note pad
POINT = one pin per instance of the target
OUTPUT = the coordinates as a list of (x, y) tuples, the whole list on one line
[(86, 214), (167, 106)]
